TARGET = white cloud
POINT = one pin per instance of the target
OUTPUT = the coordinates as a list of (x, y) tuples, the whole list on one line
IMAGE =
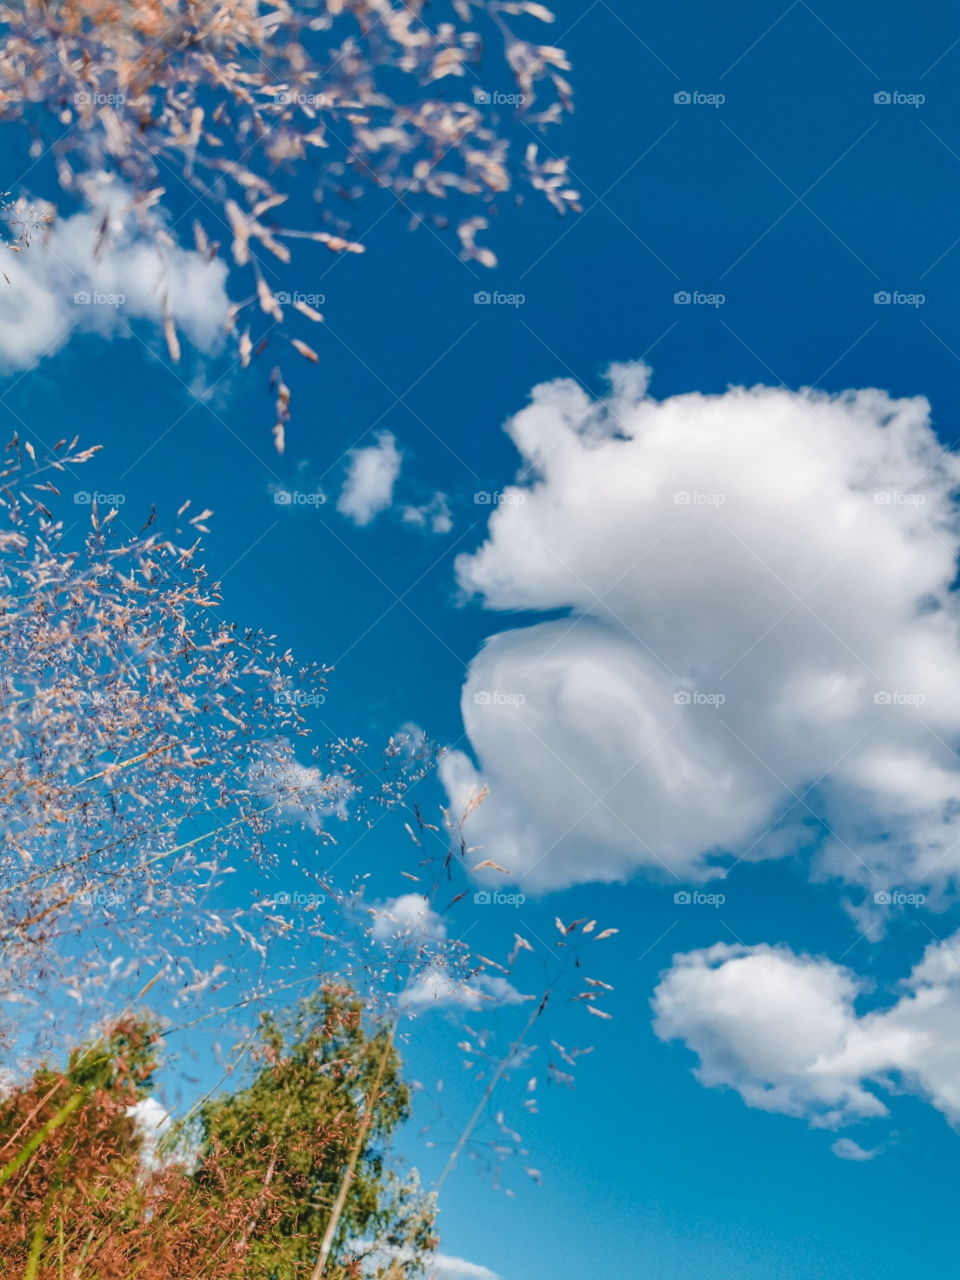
[(449, 1268), (783, 1030), (442, 1266), (440, 978), (440, 986), (295, 792), (152, 1120), (847, 1149), (371, 475), (433, 515), (62, 282), (791, 554), (407, 917)]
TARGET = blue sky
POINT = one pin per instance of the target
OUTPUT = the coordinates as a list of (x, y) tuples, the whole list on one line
[(797, 199)]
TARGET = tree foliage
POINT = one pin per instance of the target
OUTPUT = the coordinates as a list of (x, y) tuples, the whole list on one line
[(284, 1142), (245, 1186)]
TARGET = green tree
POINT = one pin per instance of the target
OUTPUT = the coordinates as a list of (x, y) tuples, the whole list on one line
[(305, 1144)]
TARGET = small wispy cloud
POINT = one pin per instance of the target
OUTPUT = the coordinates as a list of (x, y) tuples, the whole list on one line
[(371, 475), (439, 986), (407, 917), (441, 1266), (847, 1149), (433, 516), (298, 792)]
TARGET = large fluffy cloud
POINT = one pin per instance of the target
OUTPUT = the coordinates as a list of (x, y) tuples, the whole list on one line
[(754, 638), (784, 1031), (74, 278)]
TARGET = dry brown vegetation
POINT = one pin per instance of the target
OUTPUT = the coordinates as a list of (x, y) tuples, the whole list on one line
[(224, 101)]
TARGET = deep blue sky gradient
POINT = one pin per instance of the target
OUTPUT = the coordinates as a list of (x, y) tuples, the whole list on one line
[(798, 199)]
